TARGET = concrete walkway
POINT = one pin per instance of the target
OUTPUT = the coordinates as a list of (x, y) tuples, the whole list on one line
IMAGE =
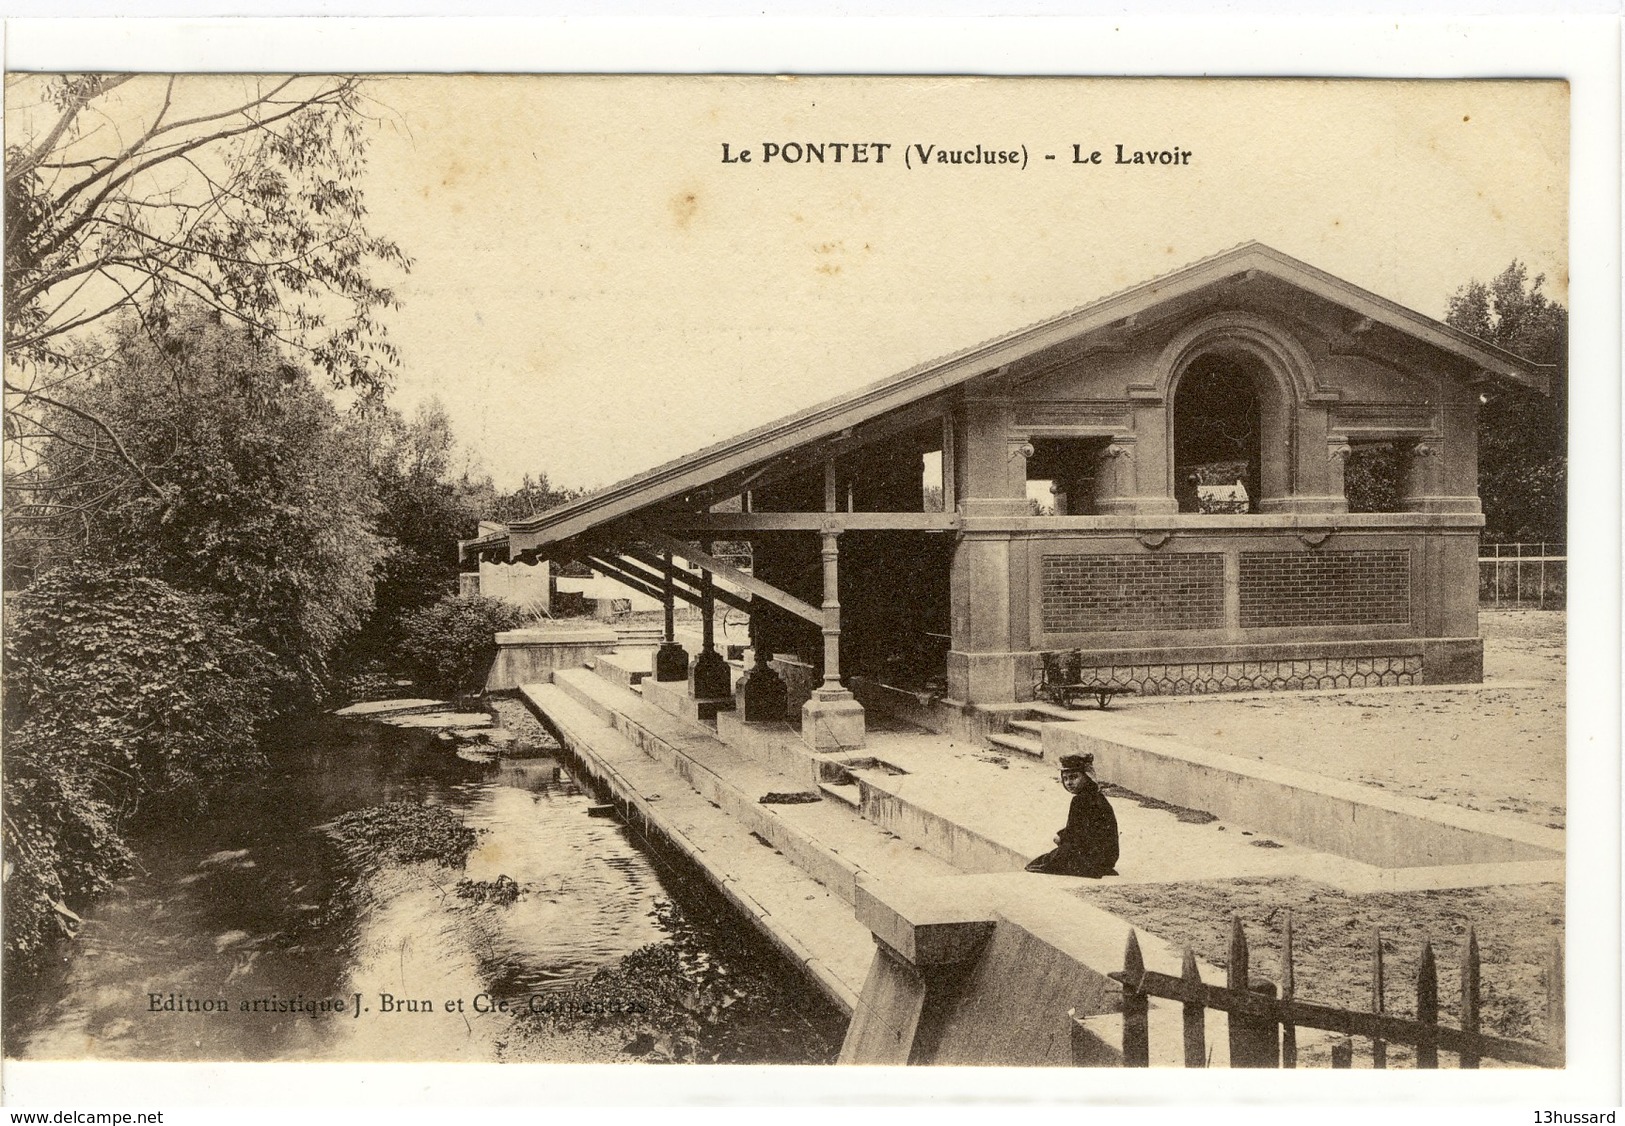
[(913, 813)]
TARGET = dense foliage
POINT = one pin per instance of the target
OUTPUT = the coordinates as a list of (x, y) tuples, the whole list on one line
[(450, 646), (120, 691), (1522, 434), (241, 485), (423, 510)]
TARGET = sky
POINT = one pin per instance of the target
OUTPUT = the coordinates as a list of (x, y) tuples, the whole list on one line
[(595, 290)]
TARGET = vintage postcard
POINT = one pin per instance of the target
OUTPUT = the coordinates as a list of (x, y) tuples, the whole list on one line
[(828, 570)]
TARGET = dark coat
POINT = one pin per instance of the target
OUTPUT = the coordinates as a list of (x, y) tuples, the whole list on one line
[(1088, 842)]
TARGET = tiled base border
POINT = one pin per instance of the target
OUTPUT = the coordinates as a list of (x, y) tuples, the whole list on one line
[(1263, 676)]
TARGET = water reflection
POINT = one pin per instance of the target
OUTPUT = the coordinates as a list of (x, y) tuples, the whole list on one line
[(255, 906)]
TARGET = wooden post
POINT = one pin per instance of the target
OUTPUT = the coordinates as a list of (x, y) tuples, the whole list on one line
[(1235, 977), (1556, 1010), (949, 484), (1469, 994), (1136, 1021), (708, 611), (1289, 990), (668, 598), (1379, 1047), (1427, 1007), (1195, 1015), (1263, 1039), (1343, 1053)]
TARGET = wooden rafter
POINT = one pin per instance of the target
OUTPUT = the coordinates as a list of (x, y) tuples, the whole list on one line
[(756, 586)]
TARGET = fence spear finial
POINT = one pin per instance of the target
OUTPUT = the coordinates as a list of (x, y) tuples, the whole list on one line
[(1427, 1005), (1469, 992)]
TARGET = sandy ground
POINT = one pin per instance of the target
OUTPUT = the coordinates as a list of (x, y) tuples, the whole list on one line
[(1333, 939), (1498, 747)]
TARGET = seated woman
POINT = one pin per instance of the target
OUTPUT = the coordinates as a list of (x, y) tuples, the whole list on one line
[(1087, 846)]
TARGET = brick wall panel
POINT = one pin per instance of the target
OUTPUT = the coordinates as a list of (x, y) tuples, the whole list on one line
[(1284, 588), (1124, 593)]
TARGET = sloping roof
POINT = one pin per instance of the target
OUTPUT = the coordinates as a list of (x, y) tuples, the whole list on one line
[(828, 418)]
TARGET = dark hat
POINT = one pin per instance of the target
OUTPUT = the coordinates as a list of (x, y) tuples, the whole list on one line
[(1077, 762)]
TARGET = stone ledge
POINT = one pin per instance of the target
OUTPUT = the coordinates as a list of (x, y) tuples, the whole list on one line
[(1362, 823)]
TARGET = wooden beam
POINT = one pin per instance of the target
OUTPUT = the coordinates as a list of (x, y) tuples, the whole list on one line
[(629, 556), (721, 522), (734, 575), (620, 576)]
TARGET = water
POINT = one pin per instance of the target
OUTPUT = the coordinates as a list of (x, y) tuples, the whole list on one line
[(296, 950)]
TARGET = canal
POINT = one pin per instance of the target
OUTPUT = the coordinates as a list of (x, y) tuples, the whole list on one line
[(251, 932)]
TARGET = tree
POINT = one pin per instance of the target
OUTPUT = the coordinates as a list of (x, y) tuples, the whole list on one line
[(423, 513), (534, 495), (133, 195), (237, 483), (119, 690), (1522, 434)]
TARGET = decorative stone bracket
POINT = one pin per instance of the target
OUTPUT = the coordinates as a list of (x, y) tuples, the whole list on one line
[(1153, 540), (1314, 537)]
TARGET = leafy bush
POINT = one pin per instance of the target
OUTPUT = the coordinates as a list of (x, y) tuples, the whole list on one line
[(250, 491), (119, 691), (450, 646)]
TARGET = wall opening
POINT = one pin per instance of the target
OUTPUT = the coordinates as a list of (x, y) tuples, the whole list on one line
[(1217, 428), (1061, 476), (1373, 479), (931, 481)]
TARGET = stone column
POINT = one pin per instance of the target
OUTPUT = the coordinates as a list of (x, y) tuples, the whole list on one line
[(671, 659), (832, 719), (1420, 472), (1114, 478), (1338, 451), (709, 679)]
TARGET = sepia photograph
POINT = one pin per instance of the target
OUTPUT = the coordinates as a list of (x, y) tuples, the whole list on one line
[(823, 570)]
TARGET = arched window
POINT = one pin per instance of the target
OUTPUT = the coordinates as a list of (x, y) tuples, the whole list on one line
[(1218, 424)]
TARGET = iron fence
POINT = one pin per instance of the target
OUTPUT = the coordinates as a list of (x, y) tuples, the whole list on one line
[(1526, 576)]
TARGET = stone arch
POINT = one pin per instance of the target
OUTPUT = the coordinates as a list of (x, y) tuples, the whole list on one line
[(1280, 373)]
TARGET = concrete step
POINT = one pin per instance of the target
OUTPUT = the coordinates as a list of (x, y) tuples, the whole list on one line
[(847, 793), (639, 637), (965, 807), (1031, 728), (807, 922), (623, 668), (1021, 744), (826, 839)]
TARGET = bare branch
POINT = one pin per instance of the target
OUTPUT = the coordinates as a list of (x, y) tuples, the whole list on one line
[(124, 454)]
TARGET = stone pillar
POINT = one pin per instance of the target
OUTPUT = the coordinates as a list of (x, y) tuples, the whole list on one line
[(1420, 472), (709, 679), (981, 661), (761, 696), (1114, 478), (1146, 471), (1338, 451), (671, 659), (832, 719), (1314, 483)]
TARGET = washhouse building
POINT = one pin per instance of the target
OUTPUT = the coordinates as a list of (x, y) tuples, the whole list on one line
[(1245, 474)]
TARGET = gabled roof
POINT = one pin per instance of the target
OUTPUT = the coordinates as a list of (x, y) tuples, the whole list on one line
[(739, 453)]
